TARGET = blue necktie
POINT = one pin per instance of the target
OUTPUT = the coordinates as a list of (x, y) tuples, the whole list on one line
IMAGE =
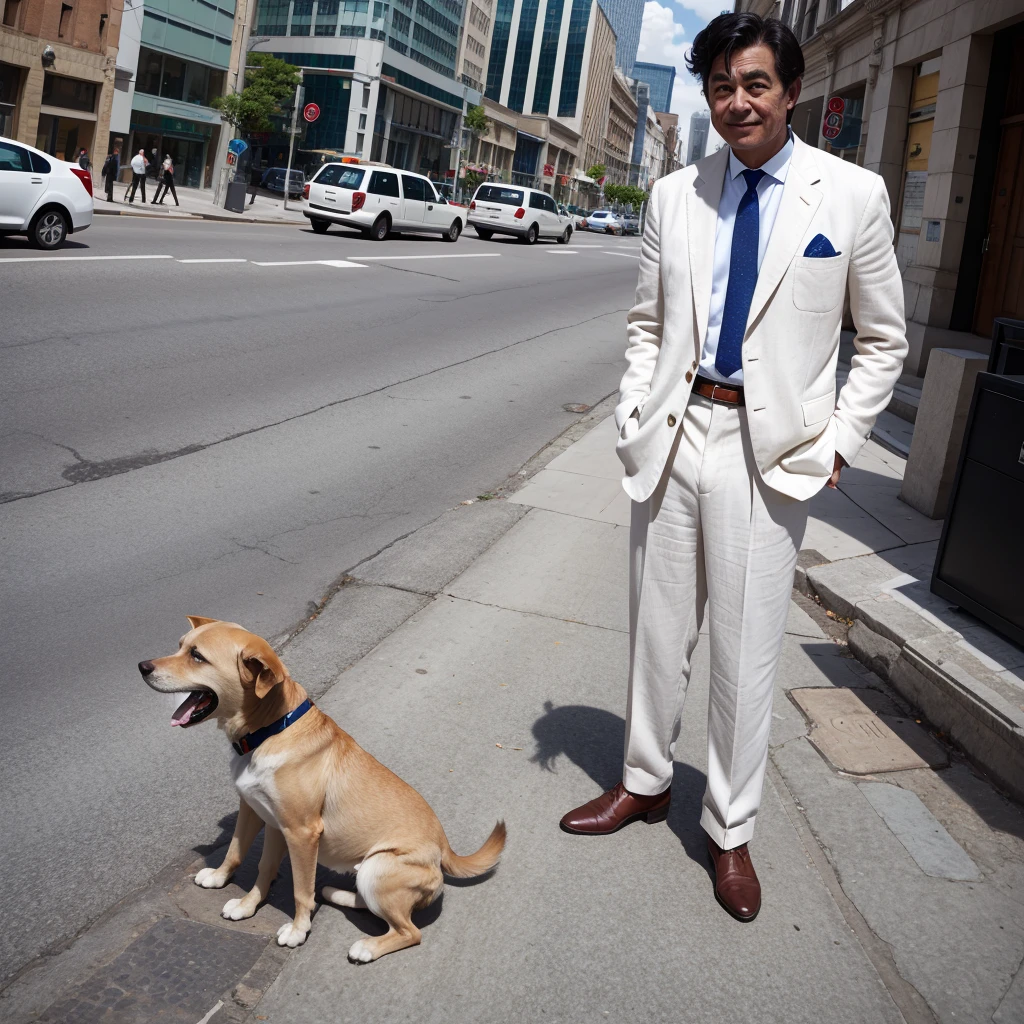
[(742, 279)]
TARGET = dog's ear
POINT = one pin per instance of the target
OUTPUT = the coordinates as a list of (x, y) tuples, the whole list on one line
[(260, 667), (195, 621)]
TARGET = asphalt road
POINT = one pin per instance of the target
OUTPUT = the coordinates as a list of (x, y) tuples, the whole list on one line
[(226, 438)]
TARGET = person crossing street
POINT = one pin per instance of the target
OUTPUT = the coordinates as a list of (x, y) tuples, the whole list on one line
[(166, 183)]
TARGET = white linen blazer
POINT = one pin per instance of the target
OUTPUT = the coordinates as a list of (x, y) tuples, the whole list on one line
[(791, 345)]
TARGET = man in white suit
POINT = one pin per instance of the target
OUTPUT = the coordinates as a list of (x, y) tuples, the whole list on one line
[(729, 422)]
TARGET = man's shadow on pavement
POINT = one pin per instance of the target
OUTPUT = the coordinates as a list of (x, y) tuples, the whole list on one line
[(593, 739)]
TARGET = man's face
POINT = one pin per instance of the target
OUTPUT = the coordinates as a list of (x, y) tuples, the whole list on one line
[(748, 103)]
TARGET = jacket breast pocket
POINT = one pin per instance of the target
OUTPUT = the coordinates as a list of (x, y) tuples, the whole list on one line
[(819, 284)]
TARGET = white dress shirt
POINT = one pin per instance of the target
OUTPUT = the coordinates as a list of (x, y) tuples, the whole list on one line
[(138, 164), (769, 196)]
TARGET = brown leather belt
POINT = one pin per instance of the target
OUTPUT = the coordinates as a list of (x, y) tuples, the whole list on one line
[(731, 394)]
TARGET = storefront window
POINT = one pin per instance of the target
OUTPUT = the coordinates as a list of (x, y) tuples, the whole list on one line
[(924, 94), (172, 85), (148, 78), (69, 92)]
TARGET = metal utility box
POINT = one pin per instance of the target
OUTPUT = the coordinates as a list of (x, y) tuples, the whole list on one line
[(235, 199), (980, 561)]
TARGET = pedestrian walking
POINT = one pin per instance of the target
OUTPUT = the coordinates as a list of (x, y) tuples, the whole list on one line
[(139, 165), (166, 182), (111, 169), (83, 159), (729, 422)]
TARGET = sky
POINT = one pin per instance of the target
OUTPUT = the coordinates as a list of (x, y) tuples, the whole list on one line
[(665, 38)]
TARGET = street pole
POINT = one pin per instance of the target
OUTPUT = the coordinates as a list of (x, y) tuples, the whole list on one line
[(458, 149), (291, 137)]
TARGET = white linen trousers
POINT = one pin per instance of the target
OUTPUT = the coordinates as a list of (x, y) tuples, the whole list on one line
[(712, 533)]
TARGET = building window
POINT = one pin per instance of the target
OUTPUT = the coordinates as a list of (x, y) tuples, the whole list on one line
[(273, 18), (548, 58), (69, 93), (172, 82), (400, 22), (64, 30), (499, 49), (11, 10), (574, 46), (923, 97), (524, 50)]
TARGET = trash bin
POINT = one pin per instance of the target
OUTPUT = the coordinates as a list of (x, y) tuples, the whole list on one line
[(235, 200)]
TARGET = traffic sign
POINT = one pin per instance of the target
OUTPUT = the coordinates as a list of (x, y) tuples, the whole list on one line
[(238, 146), (311, 112), (833, 123)]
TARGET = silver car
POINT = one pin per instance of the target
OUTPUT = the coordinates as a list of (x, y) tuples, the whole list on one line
[(604, 220)]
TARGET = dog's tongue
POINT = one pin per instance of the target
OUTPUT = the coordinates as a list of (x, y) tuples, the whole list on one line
[(187, 707)]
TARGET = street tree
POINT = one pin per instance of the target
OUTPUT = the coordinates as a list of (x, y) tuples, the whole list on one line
[(477, 121), (267, 85), (627, 195)]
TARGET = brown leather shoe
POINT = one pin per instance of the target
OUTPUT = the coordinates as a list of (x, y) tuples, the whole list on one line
[(610, 811), (736, 884)]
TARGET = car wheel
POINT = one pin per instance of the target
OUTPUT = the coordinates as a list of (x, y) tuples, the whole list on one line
[(380, 229), (565, 236), (483, 233), (319, 226), (531, 235), (452, 234), (48, 230)]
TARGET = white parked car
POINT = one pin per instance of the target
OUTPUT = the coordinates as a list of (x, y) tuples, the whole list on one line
[(604, 220), (41, 196), (630, 222), (379, 200), (527, 213)]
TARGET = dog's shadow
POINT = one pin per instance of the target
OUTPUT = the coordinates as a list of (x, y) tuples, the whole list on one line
[(593, 739)]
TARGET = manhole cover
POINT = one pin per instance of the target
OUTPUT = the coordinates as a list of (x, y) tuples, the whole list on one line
[(576, 407), (171, 974), (863, 733)]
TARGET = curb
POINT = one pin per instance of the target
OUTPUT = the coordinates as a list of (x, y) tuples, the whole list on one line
[(924, 662), (185, 215)]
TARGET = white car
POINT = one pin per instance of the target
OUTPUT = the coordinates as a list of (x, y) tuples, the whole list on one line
[(526, 213), (379, 200), (604, 220), (41, 196)]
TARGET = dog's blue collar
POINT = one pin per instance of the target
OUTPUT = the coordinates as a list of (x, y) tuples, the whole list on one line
[(251, 740)]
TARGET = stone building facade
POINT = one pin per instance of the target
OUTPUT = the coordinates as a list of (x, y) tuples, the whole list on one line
[(931, 96), (57, 74)]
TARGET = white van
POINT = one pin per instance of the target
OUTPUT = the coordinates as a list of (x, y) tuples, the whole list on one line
[(379, 200), (527, 213)]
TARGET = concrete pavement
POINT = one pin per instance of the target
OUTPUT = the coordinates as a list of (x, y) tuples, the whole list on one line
[(196, 203), (888, 896)]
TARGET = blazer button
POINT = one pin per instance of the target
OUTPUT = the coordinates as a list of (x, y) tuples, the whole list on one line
[(671, 420), (693, 365), (689, 376)]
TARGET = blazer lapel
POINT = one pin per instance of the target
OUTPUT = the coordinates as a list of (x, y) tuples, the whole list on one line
[(800, 201), (701, 226)]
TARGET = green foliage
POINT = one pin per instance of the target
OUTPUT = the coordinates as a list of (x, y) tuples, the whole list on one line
[(477, 121), (627, 195), (266, 86), (472, 179), (597, 172)]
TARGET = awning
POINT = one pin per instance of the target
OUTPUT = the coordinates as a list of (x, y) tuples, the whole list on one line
[(527, 135), (580, 176)]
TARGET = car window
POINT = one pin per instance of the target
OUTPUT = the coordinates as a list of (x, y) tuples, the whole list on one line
[(497, 194), (384, 183), (413, 187), (39, 165), (537, 201), (13, 158), (549, 204), (430, 195), (340, 177)]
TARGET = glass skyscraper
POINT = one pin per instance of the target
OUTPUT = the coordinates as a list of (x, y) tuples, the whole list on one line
[(626, 17), (661, 78), (700, 125)]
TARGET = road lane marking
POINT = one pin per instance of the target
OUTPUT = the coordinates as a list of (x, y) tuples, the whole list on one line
[(338, 264), (436, 256), (215, 261), (55, 259), (566, 252), (628, 255)]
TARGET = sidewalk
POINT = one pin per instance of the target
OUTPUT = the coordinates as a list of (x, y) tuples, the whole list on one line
[(195, 203), (484, 660)]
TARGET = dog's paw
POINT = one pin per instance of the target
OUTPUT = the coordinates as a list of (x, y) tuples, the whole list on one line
[(289, 935), (211, 878), (234, 911), (361, 952)]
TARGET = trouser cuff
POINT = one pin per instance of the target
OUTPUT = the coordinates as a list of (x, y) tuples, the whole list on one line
[(725, 838), (642, 783)]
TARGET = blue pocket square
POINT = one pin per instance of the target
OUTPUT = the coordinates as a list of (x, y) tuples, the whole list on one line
[(819, 246)]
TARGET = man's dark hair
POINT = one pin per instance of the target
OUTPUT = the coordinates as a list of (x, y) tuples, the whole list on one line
[(729, 33)]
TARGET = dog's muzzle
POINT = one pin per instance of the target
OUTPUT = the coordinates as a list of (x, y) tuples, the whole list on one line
[(198, 705)]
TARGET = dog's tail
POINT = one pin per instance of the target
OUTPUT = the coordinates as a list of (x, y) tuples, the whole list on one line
[(478, 863)]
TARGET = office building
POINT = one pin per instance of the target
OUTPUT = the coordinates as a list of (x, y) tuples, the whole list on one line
[(642, 94), (935, 105), (626, 17), (475, 43), (700, 126), (661, 78), (56, 80), (397, 94), (618, 144)]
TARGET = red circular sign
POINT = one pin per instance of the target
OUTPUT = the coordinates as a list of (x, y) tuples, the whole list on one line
[(837, 104), (310, 112)]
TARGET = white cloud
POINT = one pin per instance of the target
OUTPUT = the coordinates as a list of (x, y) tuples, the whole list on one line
[(706, 9), (663, 41)]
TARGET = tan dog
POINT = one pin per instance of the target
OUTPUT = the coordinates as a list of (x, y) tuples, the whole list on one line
[(320, 794)]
